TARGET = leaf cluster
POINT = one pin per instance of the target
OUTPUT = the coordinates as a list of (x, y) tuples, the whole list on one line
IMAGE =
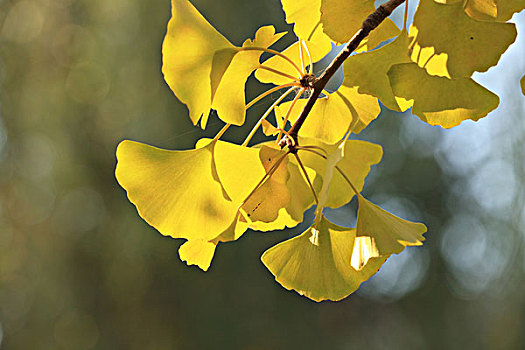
[(217, 191)]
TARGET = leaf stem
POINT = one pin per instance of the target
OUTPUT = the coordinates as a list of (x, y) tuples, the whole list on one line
[(301, 56), (221, 132), (299, 93), (405, 16), (273, 52), (266, 176), (268, 111), (278, 72), (311, 65), (266, 93), (307, 178), (308, 149)]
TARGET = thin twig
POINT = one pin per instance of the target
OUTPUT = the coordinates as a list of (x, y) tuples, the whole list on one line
[(370, 23)]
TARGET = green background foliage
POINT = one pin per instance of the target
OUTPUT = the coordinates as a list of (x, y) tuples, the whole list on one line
[(79, 269)]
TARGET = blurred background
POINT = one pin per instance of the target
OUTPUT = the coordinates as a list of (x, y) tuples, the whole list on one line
[(79, 269)]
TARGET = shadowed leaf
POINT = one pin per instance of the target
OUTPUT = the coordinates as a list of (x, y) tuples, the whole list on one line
[(316, 263), (439, 100)]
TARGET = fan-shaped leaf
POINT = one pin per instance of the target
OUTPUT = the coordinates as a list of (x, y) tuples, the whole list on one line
[(448, 29), (334, 115), (305, 15), (343, 18), (358, 157), (177, 192), (204, 69), (439, 100), (368, 71), (316, 263), (390, 233)]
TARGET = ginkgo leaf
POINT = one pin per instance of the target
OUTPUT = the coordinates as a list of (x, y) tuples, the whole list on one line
[(506, 8), (439, 100), (448, 29), (273, 195), (268, 129), (334, 115), (316, 263), (358, 158), (343, 18), (279, 64), (368, 71), (279, 202), (229, 98), (481, 9), (522, 83), (305, 15), (390, 233), (198, 252), (204, 69), (177, 192)]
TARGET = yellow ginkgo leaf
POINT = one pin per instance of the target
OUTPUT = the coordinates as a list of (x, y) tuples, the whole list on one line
[(390, 233), (506, 8), (439, 100), (358, 158), (177, 192), (522, 83), (229, 98), (279, 202), (449, 30), (343, 18), (368, 71), (197, 252), (200, 252), (334, 115), (305, 15), (197, 58), (272, 196), (268, 129), (316, 263)]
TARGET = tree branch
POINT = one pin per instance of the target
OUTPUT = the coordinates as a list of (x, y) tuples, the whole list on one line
[(369, 24)]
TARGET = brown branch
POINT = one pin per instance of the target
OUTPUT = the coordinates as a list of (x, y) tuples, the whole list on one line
[(370, 23)]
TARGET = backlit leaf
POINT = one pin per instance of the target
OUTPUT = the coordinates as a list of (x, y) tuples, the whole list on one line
[(305, 15), (448, 29), (177, 192), (229, 98), (316, 263), (390, 233), (343, 18), (358, 157), (197, 58), (368, 71), (197, 252), (333, 116), (439, 100)]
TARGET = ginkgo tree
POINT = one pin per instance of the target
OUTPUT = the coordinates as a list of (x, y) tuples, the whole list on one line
[(217, 191)]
